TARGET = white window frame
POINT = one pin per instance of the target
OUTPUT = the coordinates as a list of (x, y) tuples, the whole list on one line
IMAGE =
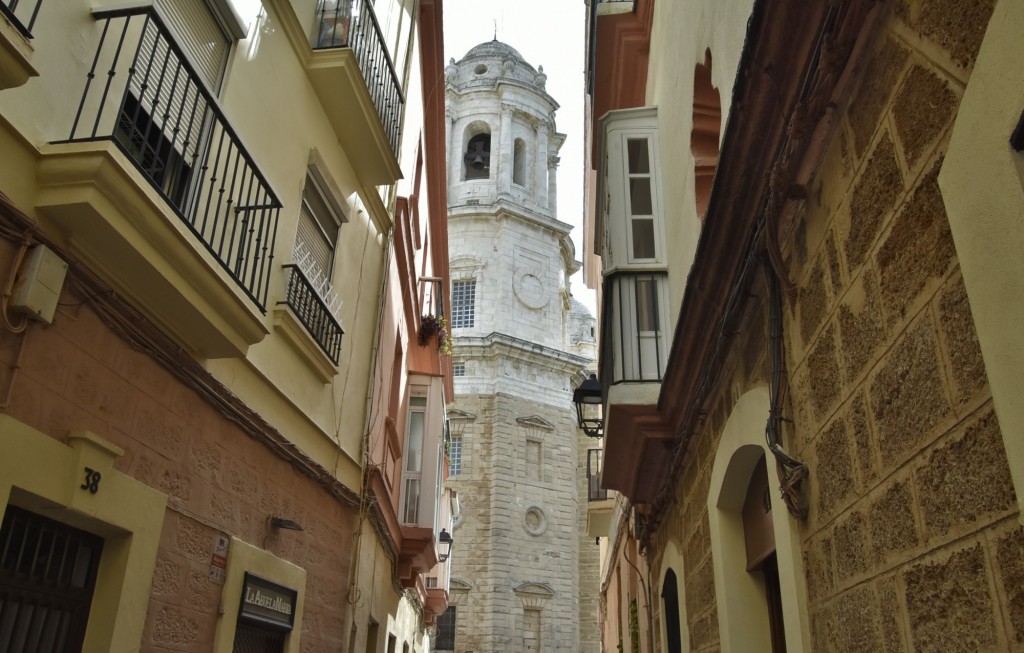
[(655, 216), (455, 455), (464, 317), (412, 465)]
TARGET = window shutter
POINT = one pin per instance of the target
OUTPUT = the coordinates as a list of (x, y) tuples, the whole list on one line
[(312, 238), (200, 35), (171, 96)]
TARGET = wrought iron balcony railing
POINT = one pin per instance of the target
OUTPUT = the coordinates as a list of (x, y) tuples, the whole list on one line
[(595, 459), (352, 24), (313, 312), (142, 94), (21, 14)]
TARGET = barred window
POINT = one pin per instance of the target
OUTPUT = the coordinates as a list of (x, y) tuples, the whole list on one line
[(458, 369), (446, 631), (455, 456), (463, 303)]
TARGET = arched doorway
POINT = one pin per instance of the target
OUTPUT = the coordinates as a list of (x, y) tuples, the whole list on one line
[(756, 548)]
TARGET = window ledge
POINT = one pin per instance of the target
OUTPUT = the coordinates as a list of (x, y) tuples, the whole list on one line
[(288, 325), (113, 220)]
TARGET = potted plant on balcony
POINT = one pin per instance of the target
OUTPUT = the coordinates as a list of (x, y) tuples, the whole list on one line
[(431, 325)]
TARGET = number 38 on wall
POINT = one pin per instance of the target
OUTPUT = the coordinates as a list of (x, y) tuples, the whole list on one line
[(92, 480)]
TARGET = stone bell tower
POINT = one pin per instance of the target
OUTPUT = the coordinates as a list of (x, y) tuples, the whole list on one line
[(515, 450)]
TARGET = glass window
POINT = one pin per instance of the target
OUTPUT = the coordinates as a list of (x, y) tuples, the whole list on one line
[(641, 199), (647, 304), (413, 456), (446, 631), (463, 303), (643, 238), (639, 160), (455, 456)]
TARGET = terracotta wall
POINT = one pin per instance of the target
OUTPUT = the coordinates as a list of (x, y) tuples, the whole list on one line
[(79, 374)]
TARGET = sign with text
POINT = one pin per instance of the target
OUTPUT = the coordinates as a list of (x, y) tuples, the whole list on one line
[(267, 602)]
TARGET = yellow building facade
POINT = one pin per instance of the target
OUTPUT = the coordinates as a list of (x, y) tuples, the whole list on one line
[(199, 203)]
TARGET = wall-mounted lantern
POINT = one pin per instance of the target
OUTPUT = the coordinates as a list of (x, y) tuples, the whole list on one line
[(445, 539), (589, 400)]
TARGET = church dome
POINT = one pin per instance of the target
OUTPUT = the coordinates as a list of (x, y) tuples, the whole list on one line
[(494, 48)]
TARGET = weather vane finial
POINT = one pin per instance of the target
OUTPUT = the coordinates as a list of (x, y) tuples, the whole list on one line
[(495, 29)]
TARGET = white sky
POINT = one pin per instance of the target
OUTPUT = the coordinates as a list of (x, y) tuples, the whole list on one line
[(547, 33)]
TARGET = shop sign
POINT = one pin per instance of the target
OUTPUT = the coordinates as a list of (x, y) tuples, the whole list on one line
[(267, 602)]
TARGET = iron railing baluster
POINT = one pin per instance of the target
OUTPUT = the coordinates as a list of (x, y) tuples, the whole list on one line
[(311, 310), (157, 120)]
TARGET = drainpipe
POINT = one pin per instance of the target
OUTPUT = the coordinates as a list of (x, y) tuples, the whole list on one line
[(354, 593)]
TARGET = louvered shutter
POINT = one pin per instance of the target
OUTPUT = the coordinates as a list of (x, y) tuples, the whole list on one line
[(312, 238), (167, 90), (199, 34)]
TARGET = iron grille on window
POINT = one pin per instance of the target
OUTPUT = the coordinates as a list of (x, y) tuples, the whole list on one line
[(313, 312), (47, 575), (144, 94), (458, 369), (463, 303), (446, 631)]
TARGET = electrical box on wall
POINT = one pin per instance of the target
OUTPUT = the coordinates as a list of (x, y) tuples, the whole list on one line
[(38, 284)]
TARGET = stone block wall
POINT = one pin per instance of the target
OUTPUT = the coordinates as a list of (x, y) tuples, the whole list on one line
[(913, 540), (516, 526)]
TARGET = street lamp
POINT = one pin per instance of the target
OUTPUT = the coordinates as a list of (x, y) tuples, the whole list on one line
[(445, 539), (589, 400)]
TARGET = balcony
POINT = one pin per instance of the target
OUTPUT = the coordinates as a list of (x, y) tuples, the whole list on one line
[(634, 356), (306, 305), (347, 62), (17, 18), (154, 189)]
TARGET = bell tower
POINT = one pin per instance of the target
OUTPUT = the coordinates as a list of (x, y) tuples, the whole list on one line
[(516, 355)]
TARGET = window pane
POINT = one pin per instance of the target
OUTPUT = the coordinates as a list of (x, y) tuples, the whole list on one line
[(647, 305), (640, 196), (639, 161), (411, 509), (643, 238), (446, 631), (463, 303), (455, 456), (414, 444)]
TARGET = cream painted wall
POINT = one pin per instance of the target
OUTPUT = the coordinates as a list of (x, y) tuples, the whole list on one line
[(681, 33), (742, 613), (46, 476), (264, 73), (982, 183)]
